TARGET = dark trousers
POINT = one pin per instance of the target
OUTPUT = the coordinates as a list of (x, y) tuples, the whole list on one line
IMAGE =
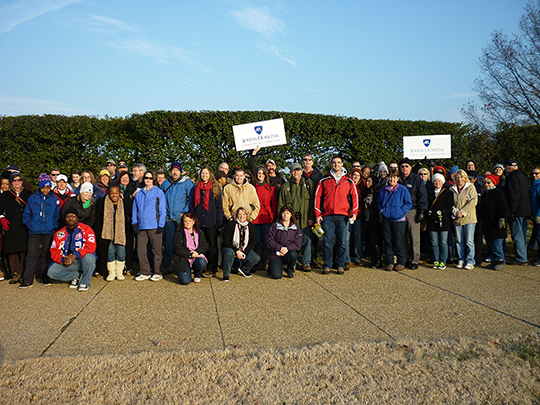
[(38, 257), (275, 265), (394, 240), (211, 237)]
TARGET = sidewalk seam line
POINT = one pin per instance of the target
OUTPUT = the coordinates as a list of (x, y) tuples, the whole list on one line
[(472, 300), (217, 314), (351, 307), (70, 321)]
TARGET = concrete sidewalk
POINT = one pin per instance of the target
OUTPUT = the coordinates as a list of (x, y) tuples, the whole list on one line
[(362, 305)]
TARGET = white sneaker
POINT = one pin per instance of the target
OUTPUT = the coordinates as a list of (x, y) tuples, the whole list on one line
[(459, 264), (156, 277), (141, 277), (469, 266), (197, 280)]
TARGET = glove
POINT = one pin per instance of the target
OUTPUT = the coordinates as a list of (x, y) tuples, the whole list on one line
[(537, 220), (135, 228), (5, 223), (502, 223), (419, 217), (159, 230)]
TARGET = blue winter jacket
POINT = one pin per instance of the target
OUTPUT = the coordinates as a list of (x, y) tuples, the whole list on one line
[(535, 198), (42, 213), (178, 195), (396, 203), (149, 209)]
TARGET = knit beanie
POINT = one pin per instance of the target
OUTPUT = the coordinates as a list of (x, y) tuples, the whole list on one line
[(454, 169), (87, 187), (494, 178), (44, 180), (438, 176), (382, 167)]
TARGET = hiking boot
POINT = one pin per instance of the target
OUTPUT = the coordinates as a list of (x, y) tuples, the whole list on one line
[(390, 267), (326, 270), (340, 270), (306, 269), (400, 267)]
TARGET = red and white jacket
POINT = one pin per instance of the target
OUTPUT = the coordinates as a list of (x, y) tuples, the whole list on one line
[(336, 196), (82, 242)]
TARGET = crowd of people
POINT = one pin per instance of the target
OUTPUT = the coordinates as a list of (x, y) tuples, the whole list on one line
[(253, 219)]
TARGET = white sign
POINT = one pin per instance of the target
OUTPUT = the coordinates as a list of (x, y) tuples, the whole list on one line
[(430, 146), (263, 133)]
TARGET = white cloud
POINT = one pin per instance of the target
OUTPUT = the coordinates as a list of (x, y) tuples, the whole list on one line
[(259, 20), (283, 55), (153, 50), (12, 106), (25, 10), (108, 22)]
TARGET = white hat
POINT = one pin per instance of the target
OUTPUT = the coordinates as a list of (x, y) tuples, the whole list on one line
[(87, 187), (438, 176), (61, 177)]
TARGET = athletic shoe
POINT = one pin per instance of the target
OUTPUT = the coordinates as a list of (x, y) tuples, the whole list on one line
[(83, 287), (442, 266), (537, 263), (25, 285), (197, 280), (74, 283), (2, 278), (44, 282), (459, 264), (436, 265), (142, 277), (225, 279), (244, 273), (156, 277), (340, 270), (469, 266)]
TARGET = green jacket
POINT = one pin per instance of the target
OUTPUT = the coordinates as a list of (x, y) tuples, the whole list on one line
[(301, 198)]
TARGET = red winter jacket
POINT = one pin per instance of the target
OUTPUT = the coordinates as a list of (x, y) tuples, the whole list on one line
[(269, 202), (83, 242), (333, 198)]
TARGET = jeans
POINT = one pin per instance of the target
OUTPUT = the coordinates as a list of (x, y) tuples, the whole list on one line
[(518, 229), (230, 260), (535, 236), (394, 241), (38, 257), (82, 268), (261, 230), (356, 245), (168, 236), (496, 249), (116, 252), (439, 245), (307, 247), (335, 225), (465, 237), (275, 267), (198, 266)]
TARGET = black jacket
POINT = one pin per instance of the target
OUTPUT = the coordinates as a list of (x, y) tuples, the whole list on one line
[(494, 207), (417, 189), (228, 234), (444, 204), (181, 253), (517, 194)]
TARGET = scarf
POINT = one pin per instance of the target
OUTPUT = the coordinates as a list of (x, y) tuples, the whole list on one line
[(241, 235), (114, 231), (192, 243), (207, 188)]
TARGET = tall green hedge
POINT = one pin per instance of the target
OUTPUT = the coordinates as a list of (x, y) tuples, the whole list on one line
[(39, 143)]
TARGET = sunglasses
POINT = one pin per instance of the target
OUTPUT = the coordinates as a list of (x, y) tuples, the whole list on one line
[(535, 173), (148, 178)]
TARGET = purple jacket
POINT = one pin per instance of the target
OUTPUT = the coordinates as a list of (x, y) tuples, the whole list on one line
[(279, 236)]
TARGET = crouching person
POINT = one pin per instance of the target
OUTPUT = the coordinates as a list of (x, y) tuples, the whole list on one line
[(189, 249), (73, 253), (284, 240)]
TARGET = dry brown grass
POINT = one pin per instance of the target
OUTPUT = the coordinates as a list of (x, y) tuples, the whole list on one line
[(468, 371)]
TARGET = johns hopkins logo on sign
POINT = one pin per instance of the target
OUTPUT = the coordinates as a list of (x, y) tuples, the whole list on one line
[(258, 129), (427, 142), (427, 146)]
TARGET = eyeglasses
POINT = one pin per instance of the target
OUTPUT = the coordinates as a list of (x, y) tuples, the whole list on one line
[(14, 180)]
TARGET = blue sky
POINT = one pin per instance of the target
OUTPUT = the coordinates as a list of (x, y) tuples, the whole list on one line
[(413, 60)]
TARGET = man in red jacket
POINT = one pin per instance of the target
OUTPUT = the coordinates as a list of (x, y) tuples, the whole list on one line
[(73, 253), (336, 201)]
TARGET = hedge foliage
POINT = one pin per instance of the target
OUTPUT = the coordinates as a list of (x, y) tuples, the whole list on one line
[(39, 143)]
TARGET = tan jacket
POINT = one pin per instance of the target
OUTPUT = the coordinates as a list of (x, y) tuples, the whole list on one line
[(465, 202), (235, 196)]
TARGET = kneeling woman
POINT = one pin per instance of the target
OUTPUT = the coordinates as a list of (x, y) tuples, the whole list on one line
[(238, 242), (284, 240), (189, 249)]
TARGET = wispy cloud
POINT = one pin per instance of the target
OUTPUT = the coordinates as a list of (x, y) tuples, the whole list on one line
[(319, 91), (22, 105), (154, 50), (459, 95), (281, 54), (107, 23), (259, 20), (25, 10)]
